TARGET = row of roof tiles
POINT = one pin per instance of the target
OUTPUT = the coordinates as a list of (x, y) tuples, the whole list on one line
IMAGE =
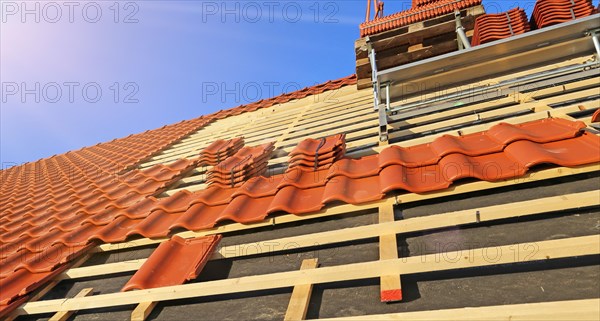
[(504, 151), (420, 3), (420, 13)]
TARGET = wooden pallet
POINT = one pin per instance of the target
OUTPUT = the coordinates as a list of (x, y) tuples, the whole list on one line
[(411, 43), (350, 111)]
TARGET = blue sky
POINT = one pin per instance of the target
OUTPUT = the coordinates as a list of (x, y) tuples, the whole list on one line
[(77, 73)]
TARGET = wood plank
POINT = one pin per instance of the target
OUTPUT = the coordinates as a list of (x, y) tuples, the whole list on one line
[(363, 69), (575, 310), (142, 311), (300, 299), (509, 254), (391, 286), (418, 224), (65, 315)]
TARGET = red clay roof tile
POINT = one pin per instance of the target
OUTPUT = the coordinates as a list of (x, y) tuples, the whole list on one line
[(220, 150), (213, 196), (174, 262), (356, 168), (596, 116), (295, 200), (352, 190), (303, 178), (260, 186), (311, 147), (198, 216), (580, 150)]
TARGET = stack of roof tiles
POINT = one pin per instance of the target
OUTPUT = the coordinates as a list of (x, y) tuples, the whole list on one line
[(248, 162), (425, 10), (490, 27), (551, 12), (219, 150), (317, 154)]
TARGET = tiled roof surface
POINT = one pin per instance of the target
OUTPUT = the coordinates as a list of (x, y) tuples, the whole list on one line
[(174, 262), (415, 14), (550, 12), (490, 27)]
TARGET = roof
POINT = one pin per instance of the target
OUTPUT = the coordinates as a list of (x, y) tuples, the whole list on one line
[(68, 196), (288, 162)]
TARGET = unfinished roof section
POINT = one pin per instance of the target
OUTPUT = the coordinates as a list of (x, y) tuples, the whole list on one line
[(318, 176)]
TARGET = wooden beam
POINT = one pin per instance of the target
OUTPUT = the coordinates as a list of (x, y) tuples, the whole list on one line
[(65, 315), (142, 311), (300, 299), (490, 256), (558, 311), (391, 286)]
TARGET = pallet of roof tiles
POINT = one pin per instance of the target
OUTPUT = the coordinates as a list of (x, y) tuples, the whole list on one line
[(412, 35), (551, 12), (490, 27), (220, 150)]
